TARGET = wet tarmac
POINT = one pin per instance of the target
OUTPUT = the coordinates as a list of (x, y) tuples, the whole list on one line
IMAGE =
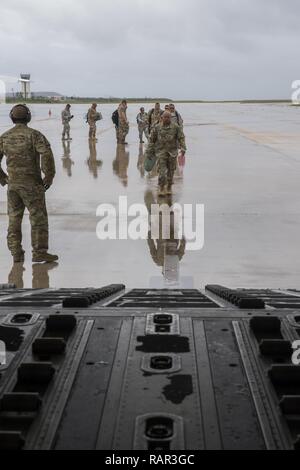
[(243, 164)]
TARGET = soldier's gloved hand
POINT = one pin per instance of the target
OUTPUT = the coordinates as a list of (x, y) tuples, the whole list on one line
[(4, 182), (46, 184)]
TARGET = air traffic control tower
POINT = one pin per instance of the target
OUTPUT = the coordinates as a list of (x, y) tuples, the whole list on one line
[(25, 84)]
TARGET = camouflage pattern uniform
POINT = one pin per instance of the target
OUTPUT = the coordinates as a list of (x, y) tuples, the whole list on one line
[(142, 120), (176, 118), (154, 117), (92, 117), (27, 153), (123, 128), (66, 118), (165, 142)]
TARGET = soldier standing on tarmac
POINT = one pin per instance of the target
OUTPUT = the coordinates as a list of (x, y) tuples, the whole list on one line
[(123, 123), (66, 118), (92, 118), (28, 155), (142, 120)]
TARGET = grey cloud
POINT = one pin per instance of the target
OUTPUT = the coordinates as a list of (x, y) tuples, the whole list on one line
[(210, 49)]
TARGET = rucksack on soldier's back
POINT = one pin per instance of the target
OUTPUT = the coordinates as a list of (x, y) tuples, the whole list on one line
[(115, 117)]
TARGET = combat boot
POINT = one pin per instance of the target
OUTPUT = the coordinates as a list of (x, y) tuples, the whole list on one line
[(44, 258), (19, 257), (169, 189), (162, 191)]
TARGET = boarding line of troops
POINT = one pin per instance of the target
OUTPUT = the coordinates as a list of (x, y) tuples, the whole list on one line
[(31, 166), (163, 129), (145, 121)]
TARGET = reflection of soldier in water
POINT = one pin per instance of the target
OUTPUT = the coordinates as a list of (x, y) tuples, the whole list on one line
[(66, 159), (141, 160), (93, 164), (16, 275), (121, 163), (166, 253), (40, 275)]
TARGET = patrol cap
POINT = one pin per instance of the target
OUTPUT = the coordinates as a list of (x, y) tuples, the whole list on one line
[(20, 112)]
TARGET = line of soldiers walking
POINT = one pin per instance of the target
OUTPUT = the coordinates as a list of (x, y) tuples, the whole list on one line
[(164, 131), (145, 121), (162, 128)]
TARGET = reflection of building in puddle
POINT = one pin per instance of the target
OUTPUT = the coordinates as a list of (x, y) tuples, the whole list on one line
[(94, 164), (166, 247), (121, 163), (66, 159), (141, 161), (40, 275)]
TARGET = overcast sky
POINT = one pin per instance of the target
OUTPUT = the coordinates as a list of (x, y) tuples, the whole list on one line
[(201, 49)]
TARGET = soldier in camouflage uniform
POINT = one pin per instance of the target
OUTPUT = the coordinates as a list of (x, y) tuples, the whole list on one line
[(142, 120), (66, 118), (175, 116), (28, 154), (165, 141), (154, 116), (123, 126), (92, 117)]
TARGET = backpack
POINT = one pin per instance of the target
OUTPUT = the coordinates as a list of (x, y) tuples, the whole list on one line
[(178, 118), (149, 119), (115, 117)]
